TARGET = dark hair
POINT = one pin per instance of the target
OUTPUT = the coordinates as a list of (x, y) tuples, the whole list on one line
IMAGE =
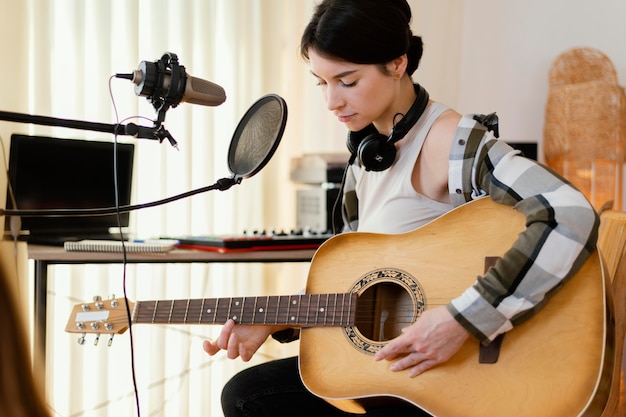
[(363, 32)]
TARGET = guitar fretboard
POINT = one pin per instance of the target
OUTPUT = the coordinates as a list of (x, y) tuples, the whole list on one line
[(297, 310)]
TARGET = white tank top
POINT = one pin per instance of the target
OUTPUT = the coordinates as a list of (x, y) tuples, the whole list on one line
[(388, 203)]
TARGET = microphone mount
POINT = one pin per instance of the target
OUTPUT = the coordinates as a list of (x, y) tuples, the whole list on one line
[(162, 82), (159, 89)]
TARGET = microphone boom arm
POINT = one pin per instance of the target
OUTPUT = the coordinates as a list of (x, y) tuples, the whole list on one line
[(157, 132)]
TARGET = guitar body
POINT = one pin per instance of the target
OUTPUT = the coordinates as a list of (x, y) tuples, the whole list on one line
[(556, 364)]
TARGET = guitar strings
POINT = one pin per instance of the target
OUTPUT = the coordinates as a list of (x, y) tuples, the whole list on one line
[(366, 314)]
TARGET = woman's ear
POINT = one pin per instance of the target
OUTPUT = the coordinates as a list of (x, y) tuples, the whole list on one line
[(397, 67)]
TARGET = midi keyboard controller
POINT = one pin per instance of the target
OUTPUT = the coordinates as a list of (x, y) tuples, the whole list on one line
[(254, 241)]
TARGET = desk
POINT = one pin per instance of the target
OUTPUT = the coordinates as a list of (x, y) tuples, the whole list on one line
[(44, 256)]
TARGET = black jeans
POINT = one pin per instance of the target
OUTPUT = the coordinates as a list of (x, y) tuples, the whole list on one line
[(275, 389)]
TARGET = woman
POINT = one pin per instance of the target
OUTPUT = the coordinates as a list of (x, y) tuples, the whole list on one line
[(362, 53)]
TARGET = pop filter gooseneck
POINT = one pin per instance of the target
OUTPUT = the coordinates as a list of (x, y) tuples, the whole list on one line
[(254, 142)]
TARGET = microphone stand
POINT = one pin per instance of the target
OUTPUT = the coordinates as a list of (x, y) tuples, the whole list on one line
[(157, 132)]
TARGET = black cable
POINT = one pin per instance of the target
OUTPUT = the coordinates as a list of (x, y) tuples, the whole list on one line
[(339, 198), (124, 258)]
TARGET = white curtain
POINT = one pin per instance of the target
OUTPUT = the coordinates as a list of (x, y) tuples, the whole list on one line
[(62, 56)]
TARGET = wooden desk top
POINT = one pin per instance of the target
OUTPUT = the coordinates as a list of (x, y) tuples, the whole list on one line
[(58, 255)]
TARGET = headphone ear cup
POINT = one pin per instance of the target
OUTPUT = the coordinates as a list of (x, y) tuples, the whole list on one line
[(376, 153), (353, 140)]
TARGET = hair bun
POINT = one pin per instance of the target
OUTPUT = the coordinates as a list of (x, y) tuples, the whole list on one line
[(414, 53)]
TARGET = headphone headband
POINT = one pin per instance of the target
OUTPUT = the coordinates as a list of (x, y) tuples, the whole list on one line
[(412, 116)]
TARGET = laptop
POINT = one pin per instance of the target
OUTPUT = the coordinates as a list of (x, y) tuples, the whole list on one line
[(57, 173)]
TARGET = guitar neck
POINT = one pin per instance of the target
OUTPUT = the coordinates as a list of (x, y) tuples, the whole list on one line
[(306, 310)]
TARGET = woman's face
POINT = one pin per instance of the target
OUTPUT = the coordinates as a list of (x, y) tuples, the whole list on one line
[(357, 94)]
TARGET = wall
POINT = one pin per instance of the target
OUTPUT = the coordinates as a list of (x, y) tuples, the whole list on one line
[(508, 47)]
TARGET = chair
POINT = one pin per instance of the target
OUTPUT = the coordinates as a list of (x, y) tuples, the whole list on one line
[(612, 247), (612, 239)]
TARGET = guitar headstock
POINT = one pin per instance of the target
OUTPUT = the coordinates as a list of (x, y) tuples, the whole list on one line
[(99, 317)]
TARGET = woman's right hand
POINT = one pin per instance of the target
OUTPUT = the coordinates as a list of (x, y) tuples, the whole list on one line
[(239, 340)]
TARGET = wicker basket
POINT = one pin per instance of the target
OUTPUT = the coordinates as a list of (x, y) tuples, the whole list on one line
[(585, 124)]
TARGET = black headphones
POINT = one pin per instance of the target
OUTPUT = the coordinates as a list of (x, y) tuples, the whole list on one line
[(377, 151)]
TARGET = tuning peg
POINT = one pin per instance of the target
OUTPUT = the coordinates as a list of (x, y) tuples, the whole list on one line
[(110, 342), (97, 300), (81, 339), (96, 340)]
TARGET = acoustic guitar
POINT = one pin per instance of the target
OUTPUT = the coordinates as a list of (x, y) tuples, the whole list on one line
[(363, 288)]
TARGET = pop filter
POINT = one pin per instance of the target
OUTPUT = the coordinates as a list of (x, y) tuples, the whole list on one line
[(257, 136), (254, 142)]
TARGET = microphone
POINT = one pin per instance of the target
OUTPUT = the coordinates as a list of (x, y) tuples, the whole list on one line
[(166, 82)]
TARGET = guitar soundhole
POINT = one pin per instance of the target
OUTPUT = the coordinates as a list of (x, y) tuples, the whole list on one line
[(389, 300), (383, 310)]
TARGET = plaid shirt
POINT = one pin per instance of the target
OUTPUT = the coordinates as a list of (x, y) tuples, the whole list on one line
[(561, 229)]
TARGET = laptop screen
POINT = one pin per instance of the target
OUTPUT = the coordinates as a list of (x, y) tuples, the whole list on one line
[(54, 173)]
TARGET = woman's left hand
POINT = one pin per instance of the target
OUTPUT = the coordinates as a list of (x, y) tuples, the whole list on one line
[(433, 339)]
